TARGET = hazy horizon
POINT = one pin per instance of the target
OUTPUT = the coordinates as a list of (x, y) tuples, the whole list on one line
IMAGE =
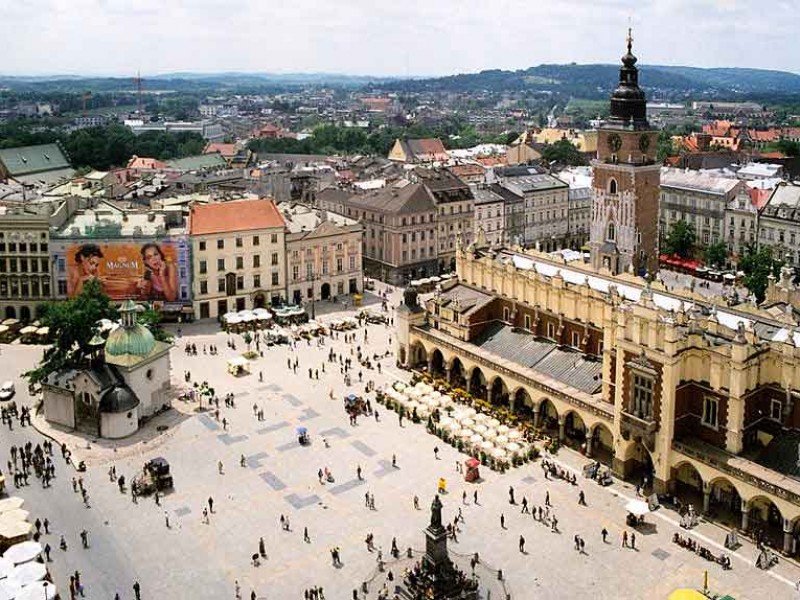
[(117, 38)]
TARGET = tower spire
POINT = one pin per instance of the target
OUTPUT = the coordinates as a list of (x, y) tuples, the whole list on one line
[(629, 39)]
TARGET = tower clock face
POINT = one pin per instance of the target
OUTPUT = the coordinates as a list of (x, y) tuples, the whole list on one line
[(644, 143), (614, 142)]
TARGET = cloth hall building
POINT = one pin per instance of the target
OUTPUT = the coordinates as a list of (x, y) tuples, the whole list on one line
[(696, 400)]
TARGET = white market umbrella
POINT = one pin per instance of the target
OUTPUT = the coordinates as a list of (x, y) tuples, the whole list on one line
[(446, 400), (29, 573), (43, 590), (637, 507), (436, 394), (476, 439), (487, 446), (18, 514), (465, 434), (6, 568), (7, 504), (503, 429), (234, 320), (12, 529), (481, 418), (445, 421), (467, 422), (480, 429), (501, 440), (490, 434), (470, 412), (9, 589), (23, 552), (493, 423), (514, 435), (499, 453), (399, 386), (452, 426), (513, 447)]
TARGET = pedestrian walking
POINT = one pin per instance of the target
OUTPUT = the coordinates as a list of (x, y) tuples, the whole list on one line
[(358, 472), (577, 541), (85, 538), (219, 467), (306, 537), (416, 503), (524, 505), (522, 544), (166, 520), (211, 505), (475, 497), (262, 549), (547, 498), (47, 550), (394, 460), (624, 539), (581, 498), (502, 521), (436, 452), (604, 533), (633, 540), (511, 495)]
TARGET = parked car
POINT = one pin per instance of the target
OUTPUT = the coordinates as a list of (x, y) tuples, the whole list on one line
[(7, 390)]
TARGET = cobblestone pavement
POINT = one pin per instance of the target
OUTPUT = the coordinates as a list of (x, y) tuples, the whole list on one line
[(191, 559)]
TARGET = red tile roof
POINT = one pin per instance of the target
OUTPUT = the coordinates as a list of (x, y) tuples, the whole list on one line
[(226, 150), (239, 215), (142, 162)]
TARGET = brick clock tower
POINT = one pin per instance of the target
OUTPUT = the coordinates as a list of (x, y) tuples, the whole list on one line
[(625, 181)]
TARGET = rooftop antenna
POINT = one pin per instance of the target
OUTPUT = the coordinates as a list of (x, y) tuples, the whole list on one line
[(138, 81)]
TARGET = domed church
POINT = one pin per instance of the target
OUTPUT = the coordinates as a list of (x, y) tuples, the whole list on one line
[(128, 381)]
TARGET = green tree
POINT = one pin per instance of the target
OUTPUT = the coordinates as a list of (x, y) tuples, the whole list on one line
[(664, 147), (152, 320), (72, 325), (758, 265), (564, 152), (788, 147), (680, 239), (716, 254)]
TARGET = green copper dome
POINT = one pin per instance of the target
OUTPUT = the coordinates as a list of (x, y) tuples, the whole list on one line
[(136, 340)]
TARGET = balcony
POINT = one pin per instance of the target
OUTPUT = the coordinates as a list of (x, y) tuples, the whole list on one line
[(636, 428)]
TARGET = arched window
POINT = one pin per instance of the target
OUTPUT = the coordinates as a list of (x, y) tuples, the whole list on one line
[(612, 233), (612, 186)]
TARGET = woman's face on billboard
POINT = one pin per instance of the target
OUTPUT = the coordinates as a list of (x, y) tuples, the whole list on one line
[(90, 265), (152, 258)]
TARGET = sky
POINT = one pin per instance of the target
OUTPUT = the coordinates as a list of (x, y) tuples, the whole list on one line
[(388, 37)]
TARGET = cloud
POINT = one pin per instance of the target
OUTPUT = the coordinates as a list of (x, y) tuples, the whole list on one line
[(410, 37)]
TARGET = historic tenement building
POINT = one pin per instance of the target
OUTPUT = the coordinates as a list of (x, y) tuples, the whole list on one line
[(669, 389)]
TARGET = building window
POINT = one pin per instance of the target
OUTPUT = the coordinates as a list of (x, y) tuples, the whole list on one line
[(339, 288), (275, 278), (612, 186), (204, 310), (62, 287), (576, 339), (203, 287), (528, 322), (324, 267), (339, 265), (220, 264), (221, 284), (506, 314), (295, 272), (611, 234), (776, 410), (275, 258), (256, 241), (273, 238), (551, 331), (642, 396), (256, 281), (203, 267), (220, 244), (239, 243), (309, 271), (256, 260), (710, 412), (240, 283), (240, 262)]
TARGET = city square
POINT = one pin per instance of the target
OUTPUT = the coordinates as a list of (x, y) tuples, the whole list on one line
[(172, 552)]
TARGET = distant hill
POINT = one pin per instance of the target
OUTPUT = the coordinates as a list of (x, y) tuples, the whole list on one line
[(599, 80), (585, 81)]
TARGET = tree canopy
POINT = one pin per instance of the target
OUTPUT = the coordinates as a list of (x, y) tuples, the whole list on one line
[(104, 147), (757, 266), (72, 325), (563, 152), (680, 239), (716, 254)]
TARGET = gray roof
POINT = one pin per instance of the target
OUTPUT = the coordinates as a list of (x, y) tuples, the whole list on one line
[(118, 399), (484, 195), (784, 203), (464, 299), (548, 358), (402, 197), (25, 160)]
